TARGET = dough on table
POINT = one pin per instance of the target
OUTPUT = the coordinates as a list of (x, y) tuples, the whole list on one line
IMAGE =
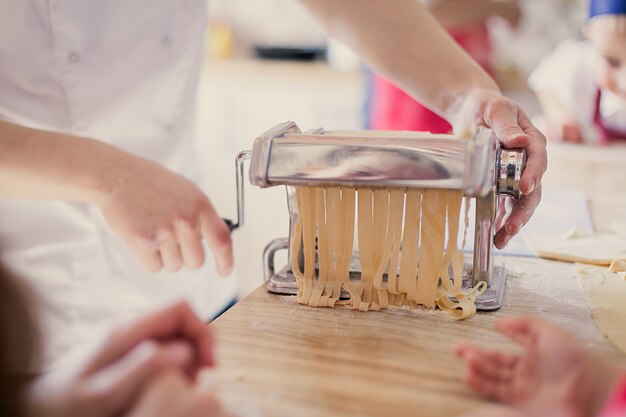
[(618, 266), (606, 296), (589, 248)]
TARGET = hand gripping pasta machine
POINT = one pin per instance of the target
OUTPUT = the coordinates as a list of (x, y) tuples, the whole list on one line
[(477, 165)]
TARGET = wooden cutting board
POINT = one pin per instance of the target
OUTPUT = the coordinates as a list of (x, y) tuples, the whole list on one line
[(278, 358)]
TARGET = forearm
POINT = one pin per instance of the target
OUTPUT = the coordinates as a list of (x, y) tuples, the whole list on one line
[(36, 164), (161, 215), (402, 41), (454, 14)]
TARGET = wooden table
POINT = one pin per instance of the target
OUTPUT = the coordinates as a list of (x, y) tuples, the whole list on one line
[(279, 358)]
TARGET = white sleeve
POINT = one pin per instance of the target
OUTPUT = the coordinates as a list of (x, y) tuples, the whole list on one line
[(558, 67)]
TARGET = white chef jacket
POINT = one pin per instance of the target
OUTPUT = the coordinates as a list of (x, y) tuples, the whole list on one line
[(124, 72), (568, 74)]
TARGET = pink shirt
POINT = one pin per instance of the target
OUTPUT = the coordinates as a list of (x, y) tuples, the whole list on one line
[(393, 109), (616, 406)]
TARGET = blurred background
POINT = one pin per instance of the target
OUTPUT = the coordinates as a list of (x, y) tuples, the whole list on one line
[(267, 61)]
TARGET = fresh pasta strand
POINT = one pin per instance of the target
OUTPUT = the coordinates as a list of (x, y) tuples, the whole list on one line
[(396, 209), (410, 243), (452, 258), (431, 254), (322, 248), (348, 210), (335, 237), (382, 246), (306, 223), (366, 246), (405, 260)]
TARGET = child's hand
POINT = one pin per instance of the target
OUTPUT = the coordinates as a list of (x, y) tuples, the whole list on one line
[(170, 395), (553, 376), (165, 348), (568, 132)]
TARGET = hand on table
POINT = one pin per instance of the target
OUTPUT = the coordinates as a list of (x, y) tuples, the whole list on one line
[(128, 374), (568, 132), (164, 217), (553, 376), (156, 400), (515, 130)]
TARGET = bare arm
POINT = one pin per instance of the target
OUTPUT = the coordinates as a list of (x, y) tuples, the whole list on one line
[(401, 40), (36, 164), (161, 215), (461, 13)]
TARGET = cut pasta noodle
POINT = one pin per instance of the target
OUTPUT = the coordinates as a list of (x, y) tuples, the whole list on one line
[(404, 256)]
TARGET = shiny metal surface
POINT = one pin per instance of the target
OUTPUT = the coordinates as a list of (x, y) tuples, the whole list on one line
[(478, 166), (239, 161), (483, 238), (262, 148), (281, 243), (510, 163), (283, 155)]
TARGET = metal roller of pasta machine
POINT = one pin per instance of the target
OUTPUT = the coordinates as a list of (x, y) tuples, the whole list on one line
[(477, 165)]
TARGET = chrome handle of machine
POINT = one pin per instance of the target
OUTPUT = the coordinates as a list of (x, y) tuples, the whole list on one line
[(270, 250), (510, 164), (486, 208), (239, 160)]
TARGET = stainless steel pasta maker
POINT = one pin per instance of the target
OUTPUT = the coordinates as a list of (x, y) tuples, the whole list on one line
[(477, 165)]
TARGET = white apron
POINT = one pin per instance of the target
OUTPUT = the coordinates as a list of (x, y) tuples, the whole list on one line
[(124, 72)]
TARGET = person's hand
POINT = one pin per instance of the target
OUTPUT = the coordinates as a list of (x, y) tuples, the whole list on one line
[(568, 132), (553, 376), (166, 348), (163, 217), (181, 400), (514, 130)]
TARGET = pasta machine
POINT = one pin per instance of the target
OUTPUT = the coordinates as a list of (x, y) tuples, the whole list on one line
[(477, 165)]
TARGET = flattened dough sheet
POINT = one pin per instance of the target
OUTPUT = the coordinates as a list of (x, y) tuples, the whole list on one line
[(606, 296), (589, 248)]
